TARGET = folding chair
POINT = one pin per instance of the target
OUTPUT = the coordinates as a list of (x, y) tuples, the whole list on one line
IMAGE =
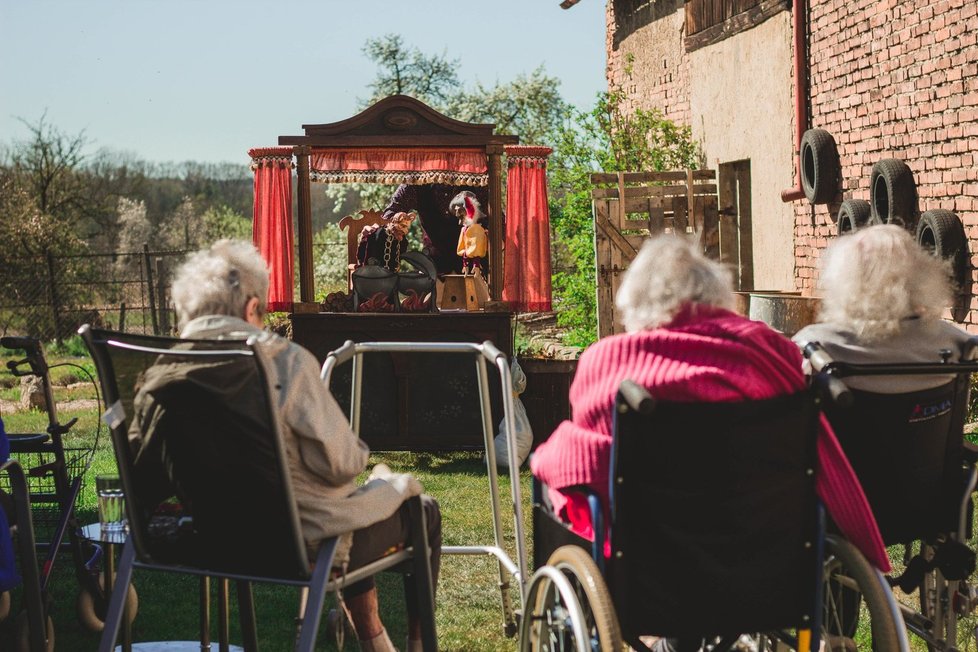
[(919, 474), (716, 535), (225, 465)]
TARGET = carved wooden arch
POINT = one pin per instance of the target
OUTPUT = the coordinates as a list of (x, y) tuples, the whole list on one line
[(398, 121)]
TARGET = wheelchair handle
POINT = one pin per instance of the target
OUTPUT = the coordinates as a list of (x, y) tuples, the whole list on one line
[(62, 428), (34, 358), (817, 356), (29, 344), (837, 391), (636, 397)]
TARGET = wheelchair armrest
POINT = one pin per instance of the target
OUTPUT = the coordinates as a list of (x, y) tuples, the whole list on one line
[(597, 515)]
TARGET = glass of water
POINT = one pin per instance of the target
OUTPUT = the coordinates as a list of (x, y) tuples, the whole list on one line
[(111, 503)]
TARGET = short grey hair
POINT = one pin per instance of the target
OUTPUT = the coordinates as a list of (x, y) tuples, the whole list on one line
[(669, 272), (877, 276), (219, 281)]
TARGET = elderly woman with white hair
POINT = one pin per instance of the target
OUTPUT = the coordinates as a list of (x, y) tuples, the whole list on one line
[(220, 293), (883, 296), (684, 344)]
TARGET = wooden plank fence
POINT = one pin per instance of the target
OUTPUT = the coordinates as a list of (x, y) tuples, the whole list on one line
[(629, 207)]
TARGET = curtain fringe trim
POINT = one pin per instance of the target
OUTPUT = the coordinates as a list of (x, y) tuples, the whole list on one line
[(276, 161), (527, 161), (449, 177)]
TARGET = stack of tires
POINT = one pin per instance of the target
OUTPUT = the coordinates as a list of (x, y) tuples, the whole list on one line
[(892, 200)]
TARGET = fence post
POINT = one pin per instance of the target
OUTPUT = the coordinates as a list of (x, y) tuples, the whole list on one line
[(54, 298), (151, 292), (122, 317), (161, 282)]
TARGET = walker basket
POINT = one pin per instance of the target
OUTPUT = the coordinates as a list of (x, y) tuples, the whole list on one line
[(45, 501)]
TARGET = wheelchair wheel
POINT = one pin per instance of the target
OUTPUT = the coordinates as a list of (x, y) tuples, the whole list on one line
[(569, 607), (859, 610)]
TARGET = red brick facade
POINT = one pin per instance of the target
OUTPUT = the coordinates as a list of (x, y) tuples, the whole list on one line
[(651, 65), (888, 78), (895, 79)]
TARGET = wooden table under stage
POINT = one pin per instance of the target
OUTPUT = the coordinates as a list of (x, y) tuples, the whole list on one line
[(418, 402)]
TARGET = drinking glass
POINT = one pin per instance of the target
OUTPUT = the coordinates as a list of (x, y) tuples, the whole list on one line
[(111, 503)]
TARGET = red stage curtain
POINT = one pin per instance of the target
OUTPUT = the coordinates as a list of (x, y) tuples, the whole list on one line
[(414, 165), (527, 271), (272, 227)]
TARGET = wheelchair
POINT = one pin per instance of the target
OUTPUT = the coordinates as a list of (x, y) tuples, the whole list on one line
[(919, 474), (717, 541)]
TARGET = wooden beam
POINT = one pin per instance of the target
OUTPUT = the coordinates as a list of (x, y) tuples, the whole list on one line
[(734, 24), (497, 227), (651, 177), (398, 140), (613, 234), (307, 284)]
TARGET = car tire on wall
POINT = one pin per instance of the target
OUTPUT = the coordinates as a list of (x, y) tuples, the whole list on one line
[(819, 166), (941, 233), (853, 214), (893, 193)]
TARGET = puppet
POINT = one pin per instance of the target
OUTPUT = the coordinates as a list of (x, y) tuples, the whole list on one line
[(473, 241), (384, 244)]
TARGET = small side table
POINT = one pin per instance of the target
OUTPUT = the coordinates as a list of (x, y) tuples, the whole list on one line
[(111, 539)]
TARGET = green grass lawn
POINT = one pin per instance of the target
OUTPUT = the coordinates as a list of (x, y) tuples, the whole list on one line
[(468, 602)]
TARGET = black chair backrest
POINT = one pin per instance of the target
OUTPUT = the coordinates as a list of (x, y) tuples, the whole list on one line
[(200, 453), (906, 451), (714, 516)]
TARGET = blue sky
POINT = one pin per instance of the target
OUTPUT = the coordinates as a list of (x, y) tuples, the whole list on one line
[(204, 80)]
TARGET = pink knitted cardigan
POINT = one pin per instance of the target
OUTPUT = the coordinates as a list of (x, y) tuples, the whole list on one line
[(703, 354)]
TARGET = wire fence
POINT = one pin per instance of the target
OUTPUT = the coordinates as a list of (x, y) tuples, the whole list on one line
[(49, 297)]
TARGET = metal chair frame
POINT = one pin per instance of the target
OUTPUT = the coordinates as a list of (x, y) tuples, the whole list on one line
[(316, 580)]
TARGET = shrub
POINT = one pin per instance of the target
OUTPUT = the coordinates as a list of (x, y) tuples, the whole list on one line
[(69, 347), (604, 139)]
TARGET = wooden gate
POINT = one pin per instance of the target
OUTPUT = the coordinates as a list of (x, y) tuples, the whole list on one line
[(654, 202)]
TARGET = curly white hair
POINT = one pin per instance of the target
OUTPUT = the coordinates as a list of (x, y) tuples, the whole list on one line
[(878, 276), (668, 272), (219, 281)]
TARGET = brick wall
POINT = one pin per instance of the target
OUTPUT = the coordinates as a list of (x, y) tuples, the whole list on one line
[(895, 79), (888, 78), (647, 36)]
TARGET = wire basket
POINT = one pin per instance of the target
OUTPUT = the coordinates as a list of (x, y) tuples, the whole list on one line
[(45, 502)]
